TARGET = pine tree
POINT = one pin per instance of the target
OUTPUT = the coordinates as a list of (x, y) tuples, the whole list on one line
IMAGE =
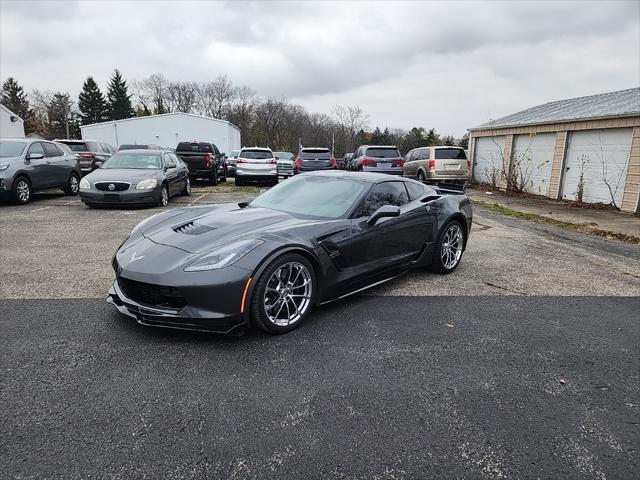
[(91, 102), (118, 98), (13, 97), (61, 115)]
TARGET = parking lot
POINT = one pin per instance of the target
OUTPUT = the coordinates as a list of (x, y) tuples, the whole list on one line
[(523, 363)]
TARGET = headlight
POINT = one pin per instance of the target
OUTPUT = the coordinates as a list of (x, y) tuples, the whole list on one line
[(4, 167), (84, 184), (148, 184), (223, 256)]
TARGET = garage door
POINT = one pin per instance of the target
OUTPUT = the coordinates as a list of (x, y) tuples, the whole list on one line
[(602, 157), (487, 162), (533, 156)]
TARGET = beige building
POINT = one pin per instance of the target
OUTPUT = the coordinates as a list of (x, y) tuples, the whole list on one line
[(585, 149)]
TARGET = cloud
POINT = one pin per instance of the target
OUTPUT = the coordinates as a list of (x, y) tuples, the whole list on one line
[(442, 64)]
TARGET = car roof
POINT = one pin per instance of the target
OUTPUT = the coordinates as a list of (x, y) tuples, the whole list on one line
[(315, 148), (378, 146), (367, 177), (264, 149), (145, 151)]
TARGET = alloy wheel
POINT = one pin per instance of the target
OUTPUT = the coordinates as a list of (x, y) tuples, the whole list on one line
[(23, 191), (452, 243), (288, 293), (420, 177), (74, 185), (164, 197), (188, 186)]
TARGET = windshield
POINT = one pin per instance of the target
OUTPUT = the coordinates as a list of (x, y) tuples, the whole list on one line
[(11, 149), (315, 196), (256, 154), (283, 155), (234, 154), (130, 161), (450, 154), (82, 147), (383, 152)]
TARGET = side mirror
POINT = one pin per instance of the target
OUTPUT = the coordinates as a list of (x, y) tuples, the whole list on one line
[(35, 156), (277, 158), (223, 154), (382, 212)]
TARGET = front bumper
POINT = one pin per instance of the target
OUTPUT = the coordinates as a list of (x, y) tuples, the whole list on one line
[(126, 197), (187, 318)]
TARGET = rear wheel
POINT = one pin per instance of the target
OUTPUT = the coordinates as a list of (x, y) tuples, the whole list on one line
[(213, 179), (420, 176), (21, 191), (239, 181), (73, 185), (186, 191), (449, 248), (224, 175), (283, 295)]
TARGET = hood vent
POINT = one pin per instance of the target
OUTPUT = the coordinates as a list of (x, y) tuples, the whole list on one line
[(193, 228)]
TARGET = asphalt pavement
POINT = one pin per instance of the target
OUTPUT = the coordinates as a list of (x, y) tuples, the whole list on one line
[(383, 387)]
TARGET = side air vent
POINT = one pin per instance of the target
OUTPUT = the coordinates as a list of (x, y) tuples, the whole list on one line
[(193, 228)]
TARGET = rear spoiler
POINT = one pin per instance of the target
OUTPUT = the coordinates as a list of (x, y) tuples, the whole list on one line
[(449, 189)]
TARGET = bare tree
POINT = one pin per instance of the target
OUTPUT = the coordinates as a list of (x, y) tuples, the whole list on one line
[(351, 120), (216, 97), (242, 109), (182, 96), (154, 91)]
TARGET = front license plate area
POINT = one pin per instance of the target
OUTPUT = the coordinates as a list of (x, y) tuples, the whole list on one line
[(112, 197)]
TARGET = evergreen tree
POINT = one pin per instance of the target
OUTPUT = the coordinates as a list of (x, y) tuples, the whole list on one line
[(62, 118), (91, 102), (13, 97), (118, 98)]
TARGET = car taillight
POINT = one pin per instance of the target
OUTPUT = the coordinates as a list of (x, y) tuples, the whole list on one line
[(272, 161), (368, 162), (398, 163), (432, 164), (468, 164), (88, 155), (207, 160), (240, 160), (298, 162), (334, 164)]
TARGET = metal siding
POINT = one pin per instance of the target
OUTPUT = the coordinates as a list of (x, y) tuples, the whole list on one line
[(534, 154), (606, 156), (9, 128), (488, 158)]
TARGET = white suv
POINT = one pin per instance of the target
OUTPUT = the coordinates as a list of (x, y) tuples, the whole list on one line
[(256, 164)]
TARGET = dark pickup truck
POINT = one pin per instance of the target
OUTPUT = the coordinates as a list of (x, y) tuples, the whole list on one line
[(204, 160)]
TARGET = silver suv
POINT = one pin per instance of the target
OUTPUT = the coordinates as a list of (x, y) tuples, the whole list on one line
[(256, 164), (437, 165), (29, 165)]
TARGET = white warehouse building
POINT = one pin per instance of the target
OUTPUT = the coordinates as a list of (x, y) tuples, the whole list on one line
[(11, 125), (165, 130)]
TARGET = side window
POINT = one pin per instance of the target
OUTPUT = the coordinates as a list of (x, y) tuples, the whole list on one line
[(168, 161), (175, 159), (427, 153), (50, 150), (387, 193), (410, 156), (416, 190), (215, 149), (36, 147)]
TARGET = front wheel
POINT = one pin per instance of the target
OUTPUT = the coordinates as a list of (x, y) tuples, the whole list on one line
[(164, 197), (73, 185), (21, 191), (283, 295), (449, 248)]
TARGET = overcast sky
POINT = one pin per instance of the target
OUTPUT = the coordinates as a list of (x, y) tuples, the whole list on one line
[(449, 65)]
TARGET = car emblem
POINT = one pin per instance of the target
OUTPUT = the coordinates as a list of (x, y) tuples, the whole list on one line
[(111, 187), (134, 258)]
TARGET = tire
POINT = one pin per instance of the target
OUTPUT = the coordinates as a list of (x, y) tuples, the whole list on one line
[(186, 191), (420, 176), (213, 179), (267, 307), (239, 182), (163, 201), (442, 261), (22, 191), (73, 185), (224, 177)]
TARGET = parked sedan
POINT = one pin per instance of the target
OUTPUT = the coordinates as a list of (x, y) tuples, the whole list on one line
[(256, 164), (378, 159), (315, 238), (136, 177), (442, 164), (31, 165)]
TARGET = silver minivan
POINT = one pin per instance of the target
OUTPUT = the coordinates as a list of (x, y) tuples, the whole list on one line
[(256, 164), (442, 164)]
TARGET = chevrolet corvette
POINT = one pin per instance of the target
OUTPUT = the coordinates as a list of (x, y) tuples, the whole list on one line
[(318, 237)]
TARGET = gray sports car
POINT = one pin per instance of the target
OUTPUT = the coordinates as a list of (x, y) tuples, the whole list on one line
[(310, 240)]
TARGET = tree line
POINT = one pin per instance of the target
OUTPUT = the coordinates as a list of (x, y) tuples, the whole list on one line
[(273, 122)]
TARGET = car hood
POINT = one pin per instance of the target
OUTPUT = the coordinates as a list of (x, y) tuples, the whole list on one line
[(8, 160), (124, 175), (196, 230)]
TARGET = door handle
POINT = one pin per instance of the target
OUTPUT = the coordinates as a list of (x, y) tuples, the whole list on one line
[(48, 162)]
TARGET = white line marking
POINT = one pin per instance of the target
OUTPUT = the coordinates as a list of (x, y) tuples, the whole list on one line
[(197, 199), (40, 209)]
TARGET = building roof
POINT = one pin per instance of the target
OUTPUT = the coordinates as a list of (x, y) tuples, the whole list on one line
[(147, 117), (9, 112), (623, 103)]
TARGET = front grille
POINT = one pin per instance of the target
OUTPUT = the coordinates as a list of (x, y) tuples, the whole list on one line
[(154, 295), (117, 186), (193, 228)]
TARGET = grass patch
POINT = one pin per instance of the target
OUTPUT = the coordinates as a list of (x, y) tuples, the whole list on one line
[(576, 227), (226, 188)]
